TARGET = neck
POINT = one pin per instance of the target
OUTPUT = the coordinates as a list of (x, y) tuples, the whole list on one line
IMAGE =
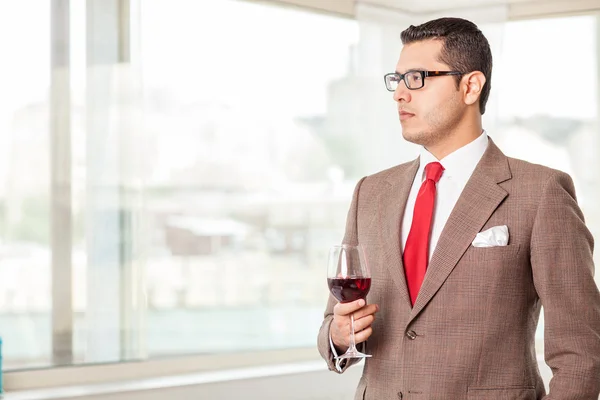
[(457, 138)]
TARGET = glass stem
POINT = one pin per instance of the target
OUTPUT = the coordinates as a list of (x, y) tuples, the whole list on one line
[(352, 339)]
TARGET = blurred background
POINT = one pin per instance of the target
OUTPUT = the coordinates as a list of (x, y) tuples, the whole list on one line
[(173, 172)]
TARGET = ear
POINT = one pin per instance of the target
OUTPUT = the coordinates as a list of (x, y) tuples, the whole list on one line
[(472, 86)]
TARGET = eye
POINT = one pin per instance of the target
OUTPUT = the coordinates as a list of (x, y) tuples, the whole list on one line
[(414, 79)]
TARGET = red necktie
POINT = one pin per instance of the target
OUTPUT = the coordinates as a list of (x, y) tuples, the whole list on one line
[(416, 253)]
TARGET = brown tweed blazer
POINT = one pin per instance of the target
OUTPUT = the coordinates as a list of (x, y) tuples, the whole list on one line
[(471, 332)]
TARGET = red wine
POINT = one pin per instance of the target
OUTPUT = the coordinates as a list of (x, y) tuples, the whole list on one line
[(347, 290)]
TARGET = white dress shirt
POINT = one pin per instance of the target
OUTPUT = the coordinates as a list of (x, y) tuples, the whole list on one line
[(458, 168)]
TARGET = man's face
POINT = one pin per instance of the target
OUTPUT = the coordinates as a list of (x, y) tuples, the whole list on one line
[(429, 114)]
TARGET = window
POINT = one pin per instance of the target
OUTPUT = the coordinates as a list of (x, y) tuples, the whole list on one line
[(171, 180)]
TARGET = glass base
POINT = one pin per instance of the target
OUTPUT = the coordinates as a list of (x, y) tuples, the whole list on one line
[(352, 354)]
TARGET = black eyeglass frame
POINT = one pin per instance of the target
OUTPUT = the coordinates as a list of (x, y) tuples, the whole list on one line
[(424, 74)]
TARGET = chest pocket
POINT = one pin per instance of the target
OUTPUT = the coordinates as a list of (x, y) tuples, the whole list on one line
[(487, 254)]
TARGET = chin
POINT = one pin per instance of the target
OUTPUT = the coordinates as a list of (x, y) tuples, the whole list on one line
[(414, 137)]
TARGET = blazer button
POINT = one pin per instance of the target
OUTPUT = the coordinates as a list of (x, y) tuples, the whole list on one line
[(411, 335), (400, 395)]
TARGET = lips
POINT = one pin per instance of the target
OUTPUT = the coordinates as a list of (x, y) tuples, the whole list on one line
[(405, 115)]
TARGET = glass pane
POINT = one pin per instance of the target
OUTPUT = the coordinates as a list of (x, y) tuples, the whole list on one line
[(539, 127), (69, 208), (537, 124), (247, 189), (25, 302)]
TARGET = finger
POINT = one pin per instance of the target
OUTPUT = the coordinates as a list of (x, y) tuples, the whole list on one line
[(363, 335), (348, 308), (367, 310), (341, 323), (340, 327), (363, 323)]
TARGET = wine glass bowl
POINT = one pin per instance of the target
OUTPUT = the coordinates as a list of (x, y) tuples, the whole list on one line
[(349, 289)]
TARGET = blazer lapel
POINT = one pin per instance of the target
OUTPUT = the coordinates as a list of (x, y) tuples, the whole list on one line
[(480, 197), (392, 203)]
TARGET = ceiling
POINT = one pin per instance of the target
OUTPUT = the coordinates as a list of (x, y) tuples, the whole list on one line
[(428, 6), (516, 9)]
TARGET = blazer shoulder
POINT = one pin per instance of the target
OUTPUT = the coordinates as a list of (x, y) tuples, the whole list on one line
[(371, 185), (389, 175), (525, 170)]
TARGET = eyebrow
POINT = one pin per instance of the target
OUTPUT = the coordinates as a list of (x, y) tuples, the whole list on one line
[(412, 70)]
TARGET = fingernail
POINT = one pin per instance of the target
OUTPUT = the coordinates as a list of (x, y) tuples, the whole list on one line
[(361, 302)]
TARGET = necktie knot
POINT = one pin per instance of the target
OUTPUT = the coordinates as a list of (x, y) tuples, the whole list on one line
[(434, 171)]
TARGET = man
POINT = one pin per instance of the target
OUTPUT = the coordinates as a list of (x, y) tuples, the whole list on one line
[(465, 245)]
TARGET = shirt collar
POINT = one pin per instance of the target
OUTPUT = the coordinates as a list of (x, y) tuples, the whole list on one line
[(460, 164)]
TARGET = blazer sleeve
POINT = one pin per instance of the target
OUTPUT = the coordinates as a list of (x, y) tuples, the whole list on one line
[(350, 237), (563, 272)]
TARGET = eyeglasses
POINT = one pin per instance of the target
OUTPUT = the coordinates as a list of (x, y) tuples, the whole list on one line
[(413, 79)]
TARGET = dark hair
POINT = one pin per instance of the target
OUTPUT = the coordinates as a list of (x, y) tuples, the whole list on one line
[(465, 48)]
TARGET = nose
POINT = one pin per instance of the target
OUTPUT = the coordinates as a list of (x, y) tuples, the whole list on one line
[(402, 93)]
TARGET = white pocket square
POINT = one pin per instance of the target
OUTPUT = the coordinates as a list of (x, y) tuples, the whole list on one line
[(495, 236)]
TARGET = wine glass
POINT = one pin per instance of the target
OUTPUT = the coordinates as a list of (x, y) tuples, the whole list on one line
[(349, 279)]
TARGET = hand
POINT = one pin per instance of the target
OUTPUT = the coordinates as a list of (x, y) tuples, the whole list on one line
[(364, 315)]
